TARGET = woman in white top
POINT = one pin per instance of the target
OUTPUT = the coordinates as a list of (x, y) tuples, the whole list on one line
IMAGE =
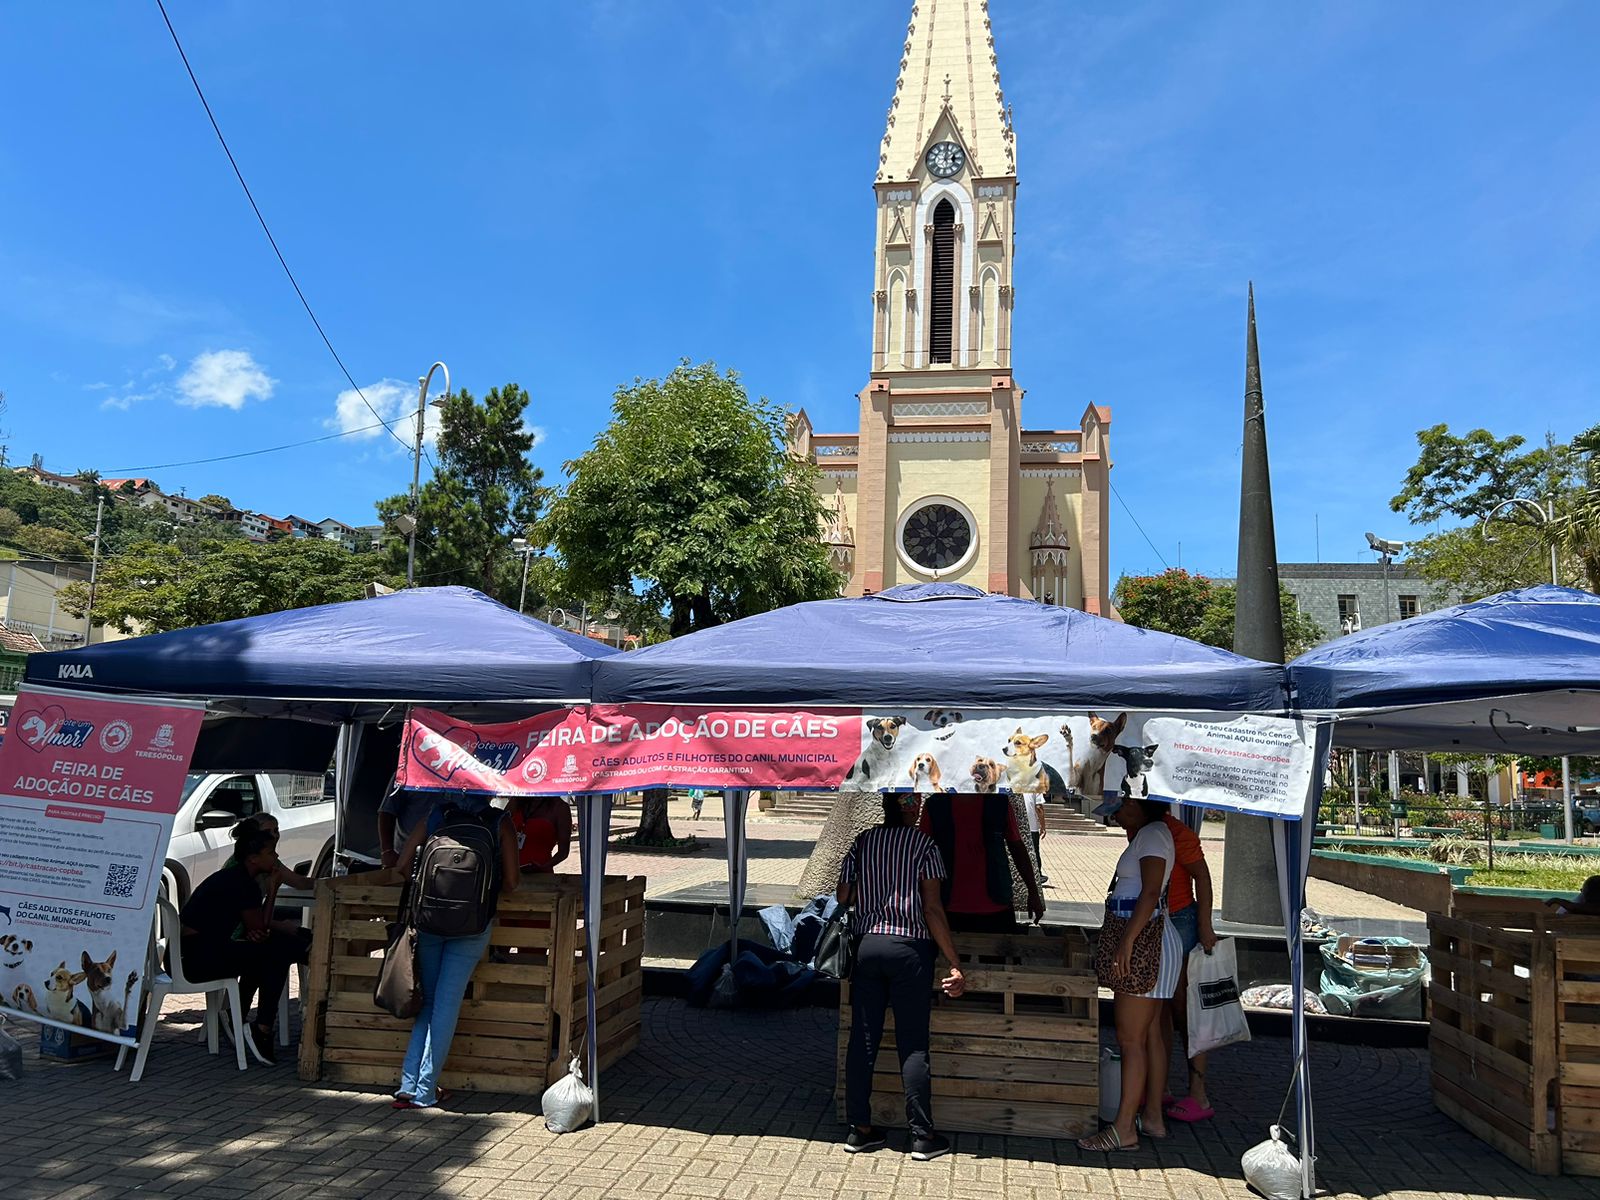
[(1139, 893)]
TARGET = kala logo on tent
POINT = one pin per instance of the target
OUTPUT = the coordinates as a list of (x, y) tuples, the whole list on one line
[(51, 727), (74, 671)]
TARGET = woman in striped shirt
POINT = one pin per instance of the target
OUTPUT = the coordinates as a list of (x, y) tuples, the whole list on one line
[(892, 876)]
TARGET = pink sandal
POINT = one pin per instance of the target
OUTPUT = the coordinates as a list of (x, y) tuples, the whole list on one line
[(1189, 1111)]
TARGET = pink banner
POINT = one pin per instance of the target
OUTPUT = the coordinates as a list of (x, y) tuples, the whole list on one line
[(89, 785), (605, 748), (109, 753)]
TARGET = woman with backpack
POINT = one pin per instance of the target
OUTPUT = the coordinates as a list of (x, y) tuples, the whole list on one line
[(460, 862)]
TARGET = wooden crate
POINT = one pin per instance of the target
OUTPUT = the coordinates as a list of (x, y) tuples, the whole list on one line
[(1018, 1053), (524, 1014), (1577, 1021), (1492, 1037)]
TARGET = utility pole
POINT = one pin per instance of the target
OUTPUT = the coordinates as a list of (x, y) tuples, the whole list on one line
[(94, 569), (416, 463)]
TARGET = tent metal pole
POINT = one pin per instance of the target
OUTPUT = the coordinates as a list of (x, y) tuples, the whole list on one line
[(735, 804), (594, 826)]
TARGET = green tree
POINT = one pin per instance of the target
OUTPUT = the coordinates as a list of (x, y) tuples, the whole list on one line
[(692, 492), (154, 587), (215, 500), (484, 493), (50, 542), (1172, 602), (1193, 606), (1300, 632), (1467, 476)]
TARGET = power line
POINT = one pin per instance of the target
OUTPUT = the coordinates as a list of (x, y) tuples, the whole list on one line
[(1138, 526), (282, 262), (192, 462)]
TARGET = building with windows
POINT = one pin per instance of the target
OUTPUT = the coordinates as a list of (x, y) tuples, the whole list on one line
[(941, 479), (1346, 597)]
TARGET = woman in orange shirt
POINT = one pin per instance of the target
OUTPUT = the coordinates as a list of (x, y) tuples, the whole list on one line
[(544, 832)]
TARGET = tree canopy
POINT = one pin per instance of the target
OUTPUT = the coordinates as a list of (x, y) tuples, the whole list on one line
[(692, 493), (154, 587), (485, 492), (1194, 606), (1467, 476)]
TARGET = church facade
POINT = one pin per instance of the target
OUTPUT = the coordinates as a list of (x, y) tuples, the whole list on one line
[(941, 480)]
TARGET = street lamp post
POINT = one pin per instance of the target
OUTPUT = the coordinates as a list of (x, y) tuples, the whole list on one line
[(521, 547), (94, 569), (1542, 515), (416, 463)]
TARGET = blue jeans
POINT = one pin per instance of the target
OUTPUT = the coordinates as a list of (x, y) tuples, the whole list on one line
[(446, 965)]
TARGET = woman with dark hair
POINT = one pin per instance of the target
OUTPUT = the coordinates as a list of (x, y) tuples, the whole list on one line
[(1136, 899), (445, 963), (226, 934), (892, 875)]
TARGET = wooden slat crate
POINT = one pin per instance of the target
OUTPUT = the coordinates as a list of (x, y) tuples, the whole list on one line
[(524, 1014), (1577, 1027), (1018, 1053), (1492, 1038)]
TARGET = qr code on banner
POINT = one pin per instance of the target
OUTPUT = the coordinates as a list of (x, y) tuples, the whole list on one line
[(121, 880)]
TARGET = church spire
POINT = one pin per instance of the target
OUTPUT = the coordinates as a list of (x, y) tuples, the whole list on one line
[(948, 66)]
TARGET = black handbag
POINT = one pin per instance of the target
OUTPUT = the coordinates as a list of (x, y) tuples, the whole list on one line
[(398, 990), (837, 945)]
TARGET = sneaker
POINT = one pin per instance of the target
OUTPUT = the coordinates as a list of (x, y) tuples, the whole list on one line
[(856, 1142), (929, 1148)]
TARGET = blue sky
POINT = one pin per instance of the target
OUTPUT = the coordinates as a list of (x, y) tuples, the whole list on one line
[(572, 195)]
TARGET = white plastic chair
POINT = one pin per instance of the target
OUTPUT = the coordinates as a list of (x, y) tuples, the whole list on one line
[(167, 935)]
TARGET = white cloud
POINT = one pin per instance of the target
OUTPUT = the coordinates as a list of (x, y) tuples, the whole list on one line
[(123, 401), (224, 379), (96, 387), (394, 402), (537, 432), (167, 362)]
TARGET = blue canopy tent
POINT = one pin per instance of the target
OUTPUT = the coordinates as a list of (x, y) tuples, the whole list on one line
[(945, 645), (940, 644), (1515, 673), (444, 646), (360, 663)]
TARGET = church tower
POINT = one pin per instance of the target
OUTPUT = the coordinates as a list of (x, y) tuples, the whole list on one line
[(942, 482)]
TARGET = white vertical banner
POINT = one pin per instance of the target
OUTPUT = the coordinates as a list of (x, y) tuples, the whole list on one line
[(89, 786)]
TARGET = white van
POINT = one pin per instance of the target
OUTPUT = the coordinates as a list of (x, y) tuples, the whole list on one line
[(213, 803)]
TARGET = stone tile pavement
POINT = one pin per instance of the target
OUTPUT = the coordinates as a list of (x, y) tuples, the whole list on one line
[(717, 1105), (1078, 864)]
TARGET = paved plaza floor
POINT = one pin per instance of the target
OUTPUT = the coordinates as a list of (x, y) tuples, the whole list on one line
[(712, 1105)]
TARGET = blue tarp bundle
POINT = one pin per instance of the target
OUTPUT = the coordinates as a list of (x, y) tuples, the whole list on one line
[(426, 645), (940, 644), (1514, 673)]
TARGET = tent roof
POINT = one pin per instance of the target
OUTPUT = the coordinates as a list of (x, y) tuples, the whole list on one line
[(428, 645), (939, 644), (1515, 673)]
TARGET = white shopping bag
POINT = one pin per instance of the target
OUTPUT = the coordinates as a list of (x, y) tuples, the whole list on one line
[(1216, 1018)]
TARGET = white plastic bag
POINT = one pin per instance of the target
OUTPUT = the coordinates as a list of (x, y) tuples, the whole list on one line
[(10, 1057), (1110, 1084), (1272, 1169), (725, 993), (568, 1101), (1216, 1018)]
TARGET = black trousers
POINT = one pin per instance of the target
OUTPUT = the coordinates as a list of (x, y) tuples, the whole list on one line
[(1000, 922), (891, 971), (1038, 857), (260, 967)]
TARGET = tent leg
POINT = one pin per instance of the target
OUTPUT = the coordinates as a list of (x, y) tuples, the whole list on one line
[(735, 804), (594, 828), (344, 774)]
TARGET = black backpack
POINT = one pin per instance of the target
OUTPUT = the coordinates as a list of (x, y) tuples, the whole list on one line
[(456, 887)]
